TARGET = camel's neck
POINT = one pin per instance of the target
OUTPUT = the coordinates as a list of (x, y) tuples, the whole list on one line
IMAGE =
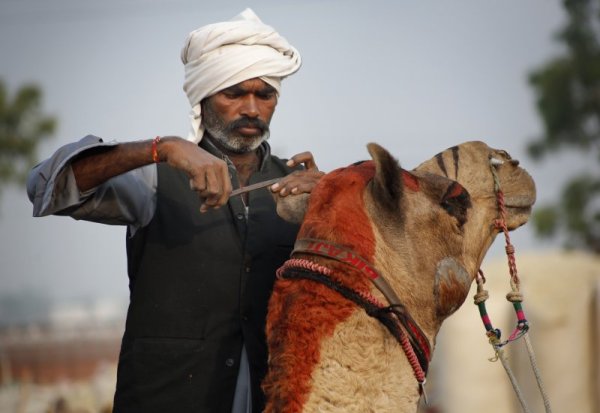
[(391, 313), (339, 341)]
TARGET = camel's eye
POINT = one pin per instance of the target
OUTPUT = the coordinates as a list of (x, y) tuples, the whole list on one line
[(456, 202)]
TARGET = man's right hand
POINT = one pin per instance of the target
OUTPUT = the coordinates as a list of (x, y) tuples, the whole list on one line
[(209, 175)]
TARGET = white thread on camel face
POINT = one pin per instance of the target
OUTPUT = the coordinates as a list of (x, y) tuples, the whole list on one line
[(496, 161)]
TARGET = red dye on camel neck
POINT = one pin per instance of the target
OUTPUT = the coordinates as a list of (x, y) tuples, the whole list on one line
[(334, 202)]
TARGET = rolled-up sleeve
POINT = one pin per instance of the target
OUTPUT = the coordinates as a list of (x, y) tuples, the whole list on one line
[(127, 199)]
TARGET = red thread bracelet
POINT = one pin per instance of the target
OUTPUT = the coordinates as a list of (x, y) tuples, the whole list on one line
[(155, 149)]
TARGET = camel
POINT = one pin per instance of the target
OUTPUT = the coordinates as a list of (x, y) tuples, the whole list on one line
[(373, 234)]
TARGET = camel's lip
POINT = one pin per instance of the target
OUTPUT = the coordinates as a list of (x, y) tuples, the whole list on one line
[(520, 202), (523, 210)]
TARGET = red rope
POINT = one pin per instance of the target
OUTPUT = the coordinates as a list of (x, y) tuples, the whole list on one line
[(509, 248)]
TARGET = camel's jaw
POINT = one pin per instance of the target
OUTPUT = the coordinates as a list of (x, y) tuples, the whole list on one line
[(518, 217)]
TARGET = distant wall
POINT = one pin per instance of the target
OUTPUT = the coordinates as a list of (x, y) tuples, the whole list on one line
[(46, 355)]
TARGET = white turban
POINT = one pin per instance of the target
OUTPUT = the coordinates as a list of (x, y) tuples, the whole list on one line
[(221, 55)]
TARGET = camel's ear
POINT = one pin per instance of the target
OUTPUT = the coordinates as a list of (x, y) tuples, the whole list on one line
[(292, 208), (387, 186)]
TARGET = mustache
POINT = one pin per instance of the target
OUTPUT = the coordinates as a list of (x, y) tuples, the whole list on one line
[(249, 123)]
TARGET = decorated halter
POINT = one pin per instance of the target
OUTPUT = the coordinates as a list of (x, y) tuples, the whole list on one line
[(514, 296), (394, 316)]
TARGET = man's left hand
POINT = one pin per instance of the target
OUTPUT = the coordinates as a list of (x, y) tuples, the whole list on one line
[(299, 182)]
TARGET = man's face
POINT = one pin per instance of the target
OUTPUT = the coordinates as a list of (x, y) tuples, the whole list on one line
[(238, 117)]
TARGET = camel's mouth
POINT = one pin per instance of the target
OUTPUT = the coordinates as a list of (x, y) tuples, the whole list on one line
[(518, 210), (520, 202), (520, 214), (520, 193)]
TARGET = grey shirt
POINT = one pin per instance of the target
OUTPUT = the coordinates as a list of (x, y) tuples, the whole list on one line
[(127, 199)]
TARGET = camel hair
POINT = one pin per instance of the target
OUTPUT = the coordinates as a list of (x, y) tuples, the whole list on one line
[(424, 231)]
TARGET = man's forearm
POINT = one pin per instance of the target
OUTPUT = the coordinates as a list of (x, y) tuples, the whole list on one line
[(209, 175), (98, 165)]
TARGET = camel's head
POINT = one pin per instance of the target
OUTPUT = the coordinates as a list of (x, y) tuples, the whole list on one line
[(474, 164), (426, 230)]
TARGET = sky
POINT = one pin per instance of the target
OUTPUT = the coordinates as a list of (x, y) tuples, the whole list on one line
[(414, 76)]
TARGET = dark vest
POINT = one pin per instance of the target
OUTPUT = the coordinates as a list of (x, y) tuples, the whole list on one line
[(200, 285)]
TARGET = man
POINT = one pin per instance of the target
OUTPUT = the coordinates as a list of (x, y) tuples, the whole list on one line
[(201, 264)]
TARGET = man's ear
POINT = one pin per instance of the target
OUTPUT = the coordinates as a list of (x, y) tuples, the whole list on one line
[(387, 185), (292, 208)]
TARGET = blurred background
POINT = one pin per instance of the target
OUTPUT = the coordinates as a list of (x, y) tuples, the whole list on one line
[(416, 77)]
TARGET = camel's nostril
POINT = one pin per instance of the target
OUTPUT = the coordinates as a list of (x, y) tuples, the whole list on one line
[(514, 162)]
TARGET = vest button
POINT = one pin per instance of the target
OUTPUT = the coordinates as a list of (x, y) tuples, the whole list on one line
[(240, 216), (229, 362)]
